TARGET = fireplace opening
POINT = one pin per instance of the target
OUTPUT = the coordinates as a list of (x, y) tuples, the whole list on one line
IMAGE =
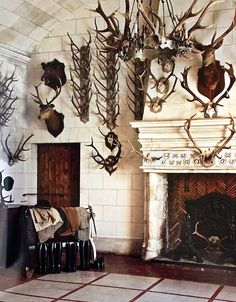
[(201, 219)]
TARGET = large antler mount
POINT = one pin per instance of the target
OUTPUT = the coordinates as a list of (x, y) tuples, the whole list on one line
[(207, 156), (7, 98), (109, 163), (210, 107), (80, 78), (107, 87), (18, 154)]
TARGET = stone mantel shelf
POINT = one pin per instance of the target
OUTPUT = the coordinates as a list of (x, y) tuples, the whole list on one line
[(168, 139)]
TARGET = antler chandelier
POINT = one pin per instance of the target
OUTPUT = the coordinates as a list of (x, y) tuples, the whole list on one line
[(144, 34)]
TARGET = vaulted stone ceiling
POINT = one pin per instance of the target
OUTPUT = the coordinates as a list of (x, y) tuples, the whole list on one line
[(23, 23)]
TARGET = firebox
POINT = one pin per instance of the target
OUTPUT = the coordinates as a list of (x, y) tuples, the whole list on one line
[(201, 219)]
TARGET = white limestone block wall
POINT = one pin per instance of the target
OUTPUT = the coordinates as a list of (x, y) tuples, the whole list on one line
[(117, 199), (176, 107), (17, 125)]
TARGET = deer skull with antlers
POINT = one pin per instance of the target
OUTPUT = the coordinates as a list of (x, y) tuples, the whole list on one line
[(207, 157)]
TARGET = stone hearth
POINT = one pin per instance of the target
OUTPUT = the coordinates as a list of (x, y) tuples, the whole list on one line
[(168, 144)]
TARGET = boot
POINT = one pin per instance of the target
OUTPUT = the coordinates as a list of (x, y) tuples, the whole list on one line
[(57, 256), (41, 258), (71, 254), (82, 265), (87, 254), (55, 253)]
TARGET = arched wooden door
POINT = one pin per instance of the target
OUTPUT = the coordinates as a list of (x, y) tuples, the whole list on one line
[(59, 174)]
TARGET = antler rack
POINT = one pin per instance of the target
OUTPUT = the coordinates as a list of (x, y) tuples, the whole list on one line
[(14, 157), (6, 98), (80, 78), (109, 67)]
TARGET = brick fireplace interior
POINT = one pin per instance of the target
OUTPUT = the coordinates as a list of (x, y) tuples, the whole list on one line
[(200, 219)]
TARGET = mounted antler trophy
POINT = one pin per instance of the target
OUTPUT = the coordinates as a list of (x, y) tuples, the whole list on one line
[(54, 74), (107, 102), (134, 85), (6, 98), (54, 120), (6, 184), (161, 86), (144, 33), (212, 76), (14, 157), (80, 78), (110, 163), (207, 157)]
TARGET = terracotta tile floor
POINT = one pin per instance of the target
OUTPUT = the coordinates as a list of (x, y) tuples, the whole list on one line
[(123, 279)]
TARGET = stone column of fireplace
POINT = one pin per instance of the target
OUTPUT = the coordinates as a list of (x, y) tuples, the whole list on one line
[(156, 193)]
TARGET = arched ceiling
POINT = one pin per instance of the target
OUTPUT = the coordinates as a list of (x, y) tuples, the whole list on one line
[(24, 23)]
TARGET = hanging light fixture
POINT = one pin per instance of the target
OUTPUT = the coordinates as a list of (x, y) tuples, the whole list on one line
[(144, 33)]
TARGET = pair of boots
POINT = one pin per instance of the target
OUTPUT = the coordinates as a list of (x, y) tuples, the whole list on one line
[(48, 257)]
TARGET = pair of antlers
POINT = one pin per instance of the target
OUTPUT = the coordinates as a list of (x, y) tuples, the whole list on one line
[(16, 156), (207, 157)]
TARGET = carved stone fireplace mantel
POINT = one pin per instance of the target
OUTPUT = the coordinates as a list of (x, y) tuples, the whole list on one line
[(168, 143), (168, 140)]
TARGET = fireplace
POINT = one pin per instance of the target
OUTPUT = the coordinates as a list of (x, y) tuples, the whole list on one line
[(175, 179)]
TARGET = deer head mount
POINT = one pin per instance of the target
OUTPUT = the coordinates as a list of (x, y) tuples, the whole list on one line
[(6, 184), (207, 157), (14, 157), (110, 163), (54, 120), (7, 99), (211, 75), (54, 74), (80, 78)]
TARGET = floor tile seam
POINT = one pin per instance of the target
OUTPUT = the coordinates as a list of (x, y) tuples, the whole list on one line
[(59, 281), (219, 289), (27, 295), (84, 285), (146, 290), (220, 299), (115, 286), (178, 294)]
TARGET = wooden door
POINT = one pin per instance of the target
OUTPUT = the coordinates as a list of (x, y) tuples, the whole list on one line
[(59, 174)]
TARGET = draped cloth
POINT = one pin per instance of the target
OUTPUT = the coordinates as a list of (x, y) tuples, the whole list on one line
[(78, 218), (50, 222), (46, 222)]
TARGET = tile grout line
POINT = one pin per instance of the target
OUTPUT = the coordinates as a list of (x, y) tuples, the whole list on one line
[(216, 293), (146, 290), (84, 285)]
